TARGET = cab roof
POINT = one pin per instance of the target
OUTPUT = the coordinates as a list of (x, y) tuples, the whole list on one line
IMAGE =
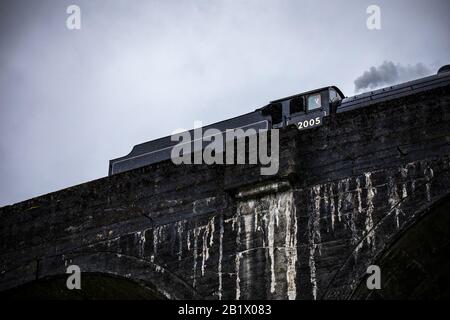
[(310, 92)]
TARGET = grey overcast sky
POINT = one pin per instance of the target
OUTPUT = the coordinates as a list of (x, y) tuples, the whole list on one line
[(70, 100)]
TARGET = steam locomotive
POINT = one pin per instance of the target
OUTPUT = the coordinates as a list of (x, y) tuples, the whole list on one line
[(305, 110)]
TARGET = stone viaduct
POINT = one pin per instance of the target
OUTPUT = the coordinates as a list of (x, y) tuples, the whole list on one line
[(370, 186)]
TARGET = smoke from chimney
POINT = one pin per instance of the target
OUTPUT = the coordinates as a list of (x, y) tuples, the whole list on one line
[(389, 73)]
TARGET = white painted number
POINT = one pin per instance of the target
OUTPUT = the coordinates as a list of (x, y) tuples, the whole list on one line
[(309, 123)]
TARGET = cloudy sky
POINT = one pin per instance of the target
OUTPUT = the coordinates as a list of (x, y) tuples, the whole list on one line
[(70, 100)]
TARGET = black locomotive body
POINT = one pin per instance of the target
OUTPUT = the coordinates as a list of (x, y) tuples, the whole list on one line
[(160, 149), (305, 111)]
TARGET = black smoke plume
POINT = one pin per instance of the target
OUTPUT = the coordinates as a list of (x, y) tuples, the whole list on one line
[(389, 73)]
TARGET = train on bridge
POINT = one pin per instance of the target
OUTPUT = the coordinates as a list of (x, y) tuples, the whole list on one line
[(305, 110)]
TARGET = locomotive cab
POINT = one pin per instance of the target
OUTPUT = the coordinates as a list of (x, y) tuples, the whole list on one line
[(304, 110)]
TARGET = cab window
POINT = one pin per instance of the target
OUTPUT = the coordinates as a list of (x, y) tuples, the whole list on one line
[(296, 105), (334, 96), (314, 101), (277, 112)]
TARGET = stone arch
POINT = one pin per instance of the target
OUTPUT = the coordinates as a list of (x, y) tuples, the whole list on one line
[(416, 264), (145, 279), (352, 273), (94, 286)]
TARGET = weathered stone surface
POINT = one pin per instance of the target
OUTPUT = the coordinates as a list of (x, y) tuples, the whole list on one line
[(344, 193)]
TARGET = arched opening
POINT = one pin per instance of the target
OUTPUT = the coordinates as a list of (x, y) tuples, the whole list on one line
[(417, 265), (94, 286)]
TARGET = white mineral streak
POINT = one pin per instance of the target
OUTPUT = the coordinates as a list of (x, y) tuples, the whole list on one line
[(275, 206), (370, 232), (256, 213), (159, 269), (429, 174), (291, 246), (238, 255), (404, 173), (350, 203), (332, 206), (158, 233), (271, 243), (141, 240), (238, 288), (314, 236), (180, 230), (276, 214), (358, 194), (195, 258), (188, 240), (219, 266), (155, 241), (404, 191), (412, 166), (244, 237), (248, 237), (233, 222), (349, 197), (205, 251), (394, 200), (208, 232), (325, 199), (212, 226), (167, 295), (340, 196)]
